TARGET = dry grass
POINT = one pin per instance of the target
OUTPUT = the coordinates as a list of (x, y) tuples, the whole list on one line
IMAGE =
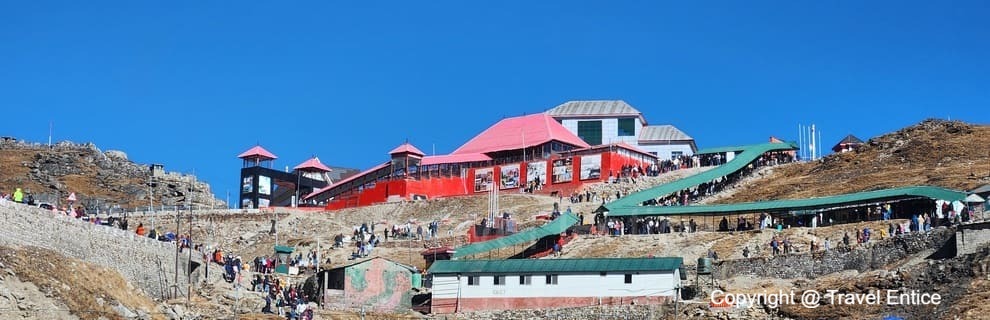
[(938, 153), (77, 283)]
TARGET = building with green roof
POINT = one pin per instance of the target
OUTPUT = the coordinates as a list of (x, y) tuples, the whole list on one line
[(474, 285)]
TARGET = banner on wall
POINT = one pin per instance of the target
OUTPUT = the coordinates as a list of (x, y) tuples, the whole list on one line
[(510, 176), (246, 185), (247, 204), (264, 183), (263, 203), (483, 179), (536, 172), (563, 170), (591, 167)]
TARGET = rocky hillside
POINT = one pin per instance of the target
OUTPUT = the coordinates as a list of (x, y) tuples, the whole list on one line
[(107, 179), (949, 154)]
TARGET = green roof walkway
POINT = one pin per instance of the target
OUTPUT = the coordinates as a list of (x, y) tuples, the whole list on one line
[(741, 160), (556, 226), (795, 204)]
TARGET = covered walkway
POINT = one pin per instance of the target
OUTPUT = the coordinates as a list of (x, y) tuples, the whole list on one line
[(556, 226)]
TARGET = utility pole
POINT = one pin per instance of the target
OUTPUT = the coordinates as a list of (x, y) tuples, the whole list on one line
[(175, 281), (189, 240), (151, 200)]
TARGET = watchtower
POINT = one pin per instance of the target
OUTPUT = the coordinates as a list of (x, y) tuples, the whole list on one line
[(256, 188)]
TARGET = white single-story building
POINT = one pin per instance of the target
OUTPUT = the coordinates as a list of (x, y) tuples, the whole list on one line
[(471, 285)]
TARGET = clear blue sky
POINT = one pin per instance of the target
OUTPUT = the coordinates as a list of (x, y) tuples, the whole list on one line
[(191, 84)]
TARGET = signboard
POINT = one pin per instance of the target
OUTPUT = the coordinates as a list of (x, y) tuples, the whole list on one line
[(247, 204), (563, 170), (483, 179), (263, 203), (591, 167), (510, 176), (536, 172), (264, 185), (246, 185)]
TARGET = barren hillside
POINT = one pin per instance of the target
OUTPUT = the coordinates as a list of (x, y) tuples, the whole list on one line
[(949, 154), (97, 177)]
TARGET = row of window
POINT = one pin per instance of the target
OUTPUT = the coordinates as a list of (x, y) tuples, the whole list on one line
[(525, 280)]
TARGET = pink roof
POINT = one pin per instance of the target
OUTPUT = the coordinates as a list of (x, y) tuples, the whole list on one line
[(454, 158), (313, 163), (518, 132), (349, 179), (406, 147), (257, 151)]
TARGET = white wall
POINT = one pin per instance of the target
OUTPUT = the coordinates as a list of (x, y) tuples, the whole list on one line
[(664, 151), (610, 129), (568, 285)]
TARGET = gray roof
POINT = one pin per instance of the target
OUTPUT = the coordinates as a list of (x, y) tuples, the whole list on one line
[(984, 189), (594, 108), (663, 133)]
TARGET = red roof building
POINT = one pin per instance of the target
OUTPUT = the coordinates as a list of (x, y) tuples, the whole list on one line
[(520, 132), (313, 164), (406, 148), (534, 153), (257, 152)]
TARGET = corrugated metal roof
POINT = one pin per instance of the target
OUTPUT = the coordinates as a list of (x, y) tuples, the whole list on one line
[(313, 163), (257, 151), (349, 179), (407, 148), (593, 108), (556, 226), (517, 266), (796, 204), (663, 133), (518, 132)]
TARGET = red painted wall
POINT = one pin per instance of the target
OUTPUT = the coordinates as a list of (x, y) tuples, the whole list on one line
[(456, 186), (451, 305)]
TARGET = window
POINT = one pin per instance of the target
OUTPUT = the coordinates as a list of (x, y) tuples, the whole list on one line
[(628, 278), (590, 132), (551, 279), (525, 280), (627, 127), (676, 154), (474, 280), (499, 280)]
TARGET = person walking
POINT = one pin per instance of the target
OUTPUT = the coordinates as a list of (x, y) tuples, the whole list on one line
[(18, 195)]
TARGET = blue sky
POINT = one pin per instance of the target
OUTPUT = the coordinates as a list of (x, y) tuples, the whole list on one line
[(191, 84)]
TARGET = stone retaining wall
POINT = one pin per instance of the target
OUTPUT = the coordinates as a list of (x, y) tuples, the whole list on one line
[(876, 255), (144, 262)]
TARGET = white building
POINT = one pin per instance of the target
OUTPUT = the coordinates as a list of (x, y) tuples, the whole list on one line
[(470, 285), (600, 122)]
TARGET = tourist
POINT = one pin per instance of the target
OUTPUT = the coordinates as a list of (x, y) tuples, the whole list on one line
[(18, 195), (828, 244)]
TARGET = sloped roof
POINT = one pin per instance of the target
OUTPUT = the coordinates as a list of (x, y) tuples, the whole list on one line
[(454, 158), (518, 132), (749, 154), (313, 163), (981, 189), (349, 179), (516, 266), (794, 204), (257, 151), (851, 139), (663, 133), (407, 148), (556, 226), (586, 108)]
